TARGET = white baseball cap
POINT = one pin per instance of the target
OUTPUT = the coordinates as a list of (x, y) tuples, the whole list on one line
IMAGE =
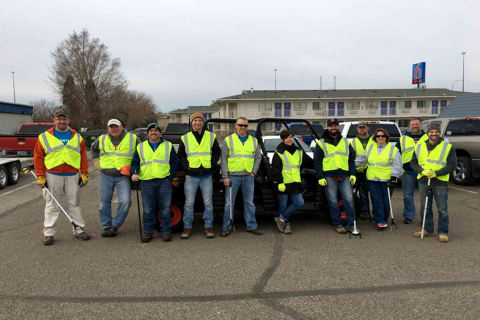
[(114, 121)]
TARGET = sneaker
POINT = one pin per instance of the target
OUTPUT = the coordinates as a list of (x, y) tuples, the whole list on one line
[(225, 233), (107, 233), (443, 237), (255, 232), (167, 237), (341, 229), (382, 226), (82, 236), (147, 237), (48, 240), (288, 229), (407, 221), (186, 233), (280, 224), (418, 234), (209, 233)]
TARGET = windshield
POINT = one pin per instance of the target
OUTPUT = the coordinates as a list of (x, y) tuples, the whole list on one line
[(177, 127), (34, 129), (392, 129), (272, 144), (304, 130)]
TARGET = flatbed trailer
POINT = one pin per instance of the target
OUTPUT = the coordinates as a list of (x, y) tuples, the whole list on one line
[(11, 168)]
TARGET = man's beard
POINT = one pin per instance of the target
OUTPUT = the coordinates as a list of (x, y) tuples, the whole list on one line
[(334, 133)]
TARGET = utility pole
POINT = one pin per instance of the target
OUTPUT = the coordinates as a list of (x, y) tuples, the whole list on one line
[(13, 78), (463, 73), (275, 70)]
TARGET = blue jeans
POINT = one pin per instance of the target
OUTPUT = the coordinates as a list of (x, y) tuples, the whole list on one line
[(156, 194), (409, 180), (106, 186), (363, 192), (345, 188), (381, 206), (440, 193), (247, 183), (286, 212), (191, 187)]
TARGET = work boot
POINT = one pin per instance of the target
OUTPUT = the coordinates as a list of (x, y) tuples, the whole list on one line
[(255, 232), (341, 229), (82, 236), (443, 237), (280, 224), (209, 233), (167, 237), (48, 240), (107, 233), (418, 234), (186, 233), (225, 233), (114, 231), (147, 237), (288, 229), (407, 221)]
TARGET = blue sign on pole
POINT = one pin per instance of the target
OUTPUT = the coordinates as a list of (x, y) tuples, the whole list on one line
[(418, 73)]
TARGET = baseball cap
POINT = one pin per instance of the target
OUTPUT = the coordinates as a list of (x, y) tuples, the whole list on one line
[(114, 121), (61, 112), (332, 121), (153, 126), (362, 124)]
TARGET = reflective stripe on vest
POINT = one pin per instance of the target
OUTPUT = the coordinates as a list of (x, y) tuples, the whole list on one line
[(435, 159), (154, 164), (199, 154), (291, 166), (335, 157), (380, 165), (407, 145), (116, 158), (56, 153), (241, 156)]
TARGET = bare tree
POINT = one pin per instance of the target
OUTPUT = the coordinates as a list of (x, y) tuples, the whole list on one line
[(94, 73), (43, 110)]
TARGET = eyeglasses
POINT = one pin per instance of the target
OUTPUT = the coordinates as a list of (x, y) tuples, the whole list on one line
[(381, 136), (242, 125)]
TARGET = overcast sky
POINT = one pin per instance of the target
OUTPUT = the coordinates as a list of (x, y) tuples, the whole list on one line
[(191, 52)]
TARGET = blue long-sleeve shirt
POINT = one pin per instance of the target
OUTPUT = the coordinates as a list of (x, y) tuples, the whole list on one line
[(135, 166)]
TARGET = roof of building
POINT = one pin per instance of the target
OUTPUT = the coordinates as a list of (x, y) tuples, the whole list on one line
[(343, 93), (465, 105), (7, 107), (193, 109)]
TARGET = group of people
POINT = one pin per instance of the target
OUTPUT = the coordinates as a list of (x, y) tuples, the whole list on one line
[(123, 161)]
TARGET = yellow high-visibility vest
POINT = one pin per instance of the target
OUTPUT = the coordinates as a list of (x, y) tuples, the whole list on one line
[(199, 154), (116, 158), (241, 156), (380, 165), (335, 157), (56, 153), (154, 164), (291, 166), (359, 149), (435, 160), (407, 146)]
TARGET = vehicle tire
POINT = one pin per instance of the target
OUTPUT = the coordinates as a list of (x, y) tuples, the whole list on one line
[(3, 177), (13, 173), (462, 175)]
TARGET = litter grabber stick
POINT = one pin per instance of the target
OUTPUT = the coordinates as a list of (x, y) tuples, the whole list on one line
[(231, 226), (355, 232), (139, 217), (391, 211), (75, 226), (425, 208)]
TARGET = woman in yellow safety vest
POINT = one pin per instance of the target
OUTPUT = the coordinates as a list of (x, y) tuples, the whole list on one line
[(287, 163), (384, 168)]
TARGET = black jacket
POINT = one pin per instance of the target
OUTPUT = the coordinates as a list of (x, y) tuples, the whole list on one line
[(319, 155), (182, 155), (277, 165)]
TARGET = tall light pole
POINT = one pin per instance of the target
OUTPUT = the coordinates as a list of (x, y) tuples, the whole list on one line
[(275, 70), (13, 78), (463, 73)]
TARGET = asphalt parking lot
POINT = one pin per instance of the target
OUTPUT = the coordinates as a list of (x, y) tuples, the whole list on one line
[(312, 274)]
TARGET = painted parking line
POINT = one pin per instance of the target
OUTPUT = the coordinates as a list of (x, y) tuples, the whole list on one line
[(12, 191), (464, 190)]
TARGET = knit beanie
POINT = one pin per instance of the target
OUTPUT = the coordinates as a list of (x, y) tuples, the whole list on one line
[(196, 115)]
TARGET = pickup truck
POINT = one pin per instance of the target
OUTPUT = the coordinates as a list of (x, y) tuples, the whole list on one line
[(174, 131), (23, 142), (464, 135)]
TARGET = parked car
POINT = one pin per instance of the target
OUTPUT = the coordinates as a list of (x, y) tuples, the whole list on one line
[(23, 142), (464, 135)]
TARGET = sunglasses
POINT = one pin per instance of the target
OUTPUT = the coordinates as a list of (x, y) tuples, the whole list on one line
[(381, 136), (242, 125)]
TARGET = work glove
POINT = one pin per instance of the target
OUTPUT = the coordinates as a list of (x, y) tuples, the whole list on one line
[(42, 181), (431, 174), (82, 182), (322, 182), (425, 172), (96, 163), (125, 170), (353, 180), (392, 183), (281, 187)]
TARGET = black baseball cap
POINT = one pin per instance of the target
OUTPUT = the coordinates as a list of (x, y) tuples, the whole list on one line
[(332, 121)]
